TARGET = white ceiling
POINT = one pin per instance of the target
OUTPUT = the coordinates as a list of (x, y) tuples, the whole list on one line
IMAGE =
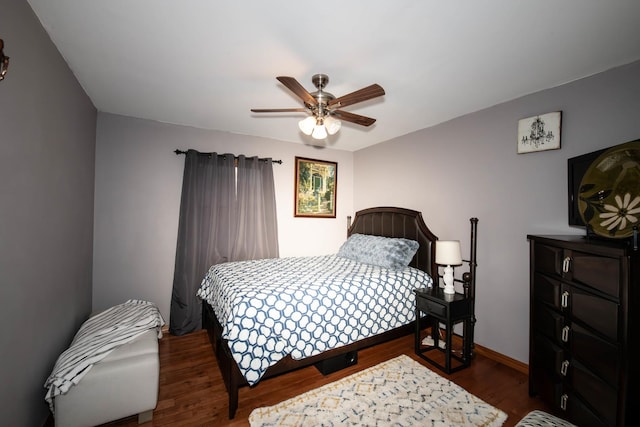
[(206, 63)]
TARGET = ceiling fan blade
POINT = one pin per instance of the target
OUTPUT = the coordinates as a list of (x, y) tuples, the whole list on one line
[(363, 94), (354, 118), (279, 110), (298, 89)]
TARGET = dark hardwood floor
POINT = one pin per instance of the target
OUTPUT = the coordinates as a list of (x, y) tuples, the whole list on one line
[(192, 392)]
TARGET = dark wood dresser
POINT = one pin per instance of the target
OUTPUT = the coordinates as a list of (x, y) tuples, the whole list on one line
[(583, 323)]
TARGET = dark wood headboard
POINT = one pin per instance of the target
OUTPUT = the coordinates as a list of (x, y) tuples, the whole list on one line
[(400, 222)]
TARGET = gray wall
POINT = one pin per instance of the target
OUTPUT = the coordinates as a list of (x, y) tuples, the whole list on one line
[(47, 150), (469, 167)]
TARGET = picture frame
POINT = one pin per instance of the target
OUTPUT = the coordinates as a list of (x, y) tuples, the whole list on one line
[(316, 183), (539, 133)]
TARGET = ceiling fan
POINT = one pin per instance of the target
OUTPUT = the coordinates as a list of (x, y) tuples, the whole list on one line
[(325, 109)]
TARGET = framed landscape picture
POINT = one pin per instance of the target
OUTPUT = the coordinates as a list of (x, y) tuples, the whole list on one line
[(315, 188), (539, 133)]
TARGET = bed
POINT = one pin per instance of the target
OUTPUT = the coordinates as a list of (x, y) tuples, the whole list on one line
[(248, 343)]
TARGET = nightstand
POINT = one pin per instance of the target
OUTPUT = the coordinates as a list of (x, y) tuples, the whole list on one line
[(447, 309)]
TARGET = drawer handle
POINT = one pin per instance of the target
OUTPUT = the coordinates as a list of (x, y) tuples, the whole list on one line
[(565, 334), (566, 265), (564, 368), (565, 299), (563, 401)]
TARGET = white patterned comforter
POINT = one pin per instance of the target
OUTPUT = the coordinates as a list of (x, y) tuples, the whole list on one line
[(303, 306)]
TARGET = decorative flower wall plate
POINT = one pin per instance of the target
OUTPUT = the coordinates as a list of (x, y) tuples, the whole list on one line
[(609, 195)]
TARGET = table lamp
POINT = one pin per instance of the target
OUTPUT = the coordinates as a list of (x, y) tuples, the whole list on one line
[(448, 254)]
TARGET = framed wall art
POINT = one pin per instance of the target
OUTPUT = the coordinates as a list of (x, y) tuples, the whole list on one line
[(539, 133), (315, 188)]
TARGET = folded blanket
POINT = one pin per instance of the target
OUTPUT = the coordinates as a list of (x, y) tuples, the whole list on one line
[(96, 338)]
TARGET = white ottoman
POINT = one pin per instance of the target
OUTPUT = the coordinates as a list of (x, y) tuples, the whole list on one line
[(123, 384)]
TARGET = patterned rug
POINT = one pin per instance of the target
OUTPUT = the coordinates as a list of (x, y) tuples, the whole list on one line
[(398, 392)]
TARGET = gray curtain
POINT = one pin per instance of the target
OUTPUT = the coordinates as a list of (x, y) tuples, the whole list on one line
[(221, 219), (257, 228)]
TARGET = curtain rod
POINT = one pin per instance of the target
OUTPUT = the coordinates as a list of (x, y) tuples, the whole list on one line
[(178, 152)]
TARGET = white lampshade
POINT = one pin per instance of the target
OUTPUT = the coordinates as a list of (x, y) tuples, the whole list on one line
[(332, 125), (307, 125), (319, 132), (448, 252)]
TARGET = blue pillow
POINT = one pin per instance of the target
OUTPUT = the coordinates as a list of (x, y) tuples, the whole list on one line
[(382, 251)]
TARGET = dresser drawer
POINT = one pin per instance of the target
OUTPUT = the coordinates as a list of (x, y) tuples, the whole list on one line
[(546, 385), (431, 307), (600, 356), (595, 392), (549, 322), (601, 273), (564, 399), (547, 289), (549, 356), (598, 272), (549, 259), (598, 313), (589, 308), (579, 413)]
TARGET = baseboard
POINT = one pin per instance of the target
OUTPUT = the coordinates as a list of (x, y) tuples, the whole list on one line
[(498, 357), (501, 358)]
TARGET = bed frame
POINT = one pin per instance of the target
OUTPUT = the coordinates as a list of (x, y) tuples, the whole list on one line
[(380, 221)]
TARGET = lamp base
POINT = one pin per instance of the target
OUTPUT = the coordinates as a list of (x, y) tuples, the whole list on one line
[(448, 280)]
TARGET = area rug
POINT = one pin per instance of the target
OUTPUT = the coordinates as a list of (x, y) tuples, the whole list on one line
[(398, 392)]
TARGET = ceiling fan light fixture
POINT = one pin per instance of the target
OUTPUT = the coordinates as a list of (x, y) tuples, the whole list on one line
[(323, 105), (332, 125), (307, 125), (319, 132)]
